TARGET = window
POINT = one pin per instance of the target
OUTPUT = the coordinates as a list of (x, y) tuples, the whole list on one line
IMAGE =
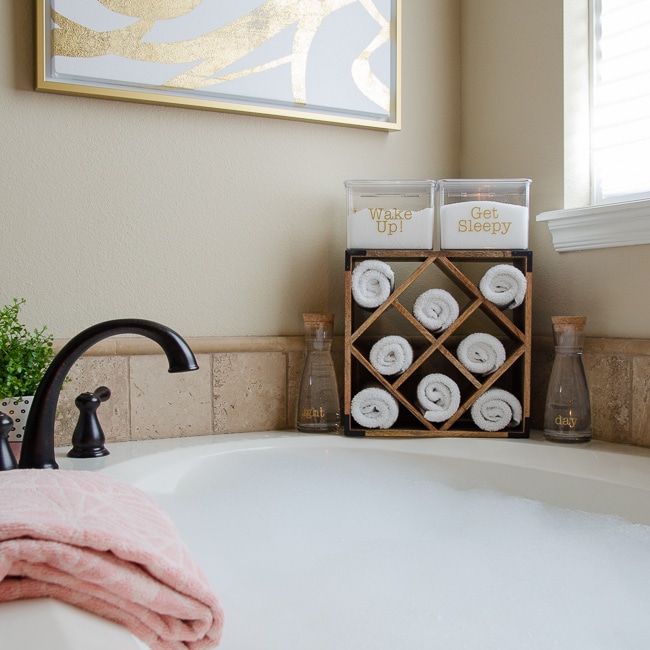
[(620, 100), (607, 126)]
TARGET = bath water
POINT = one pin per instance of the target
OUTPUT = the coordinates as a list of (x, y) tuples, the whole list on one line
[(347, 549)]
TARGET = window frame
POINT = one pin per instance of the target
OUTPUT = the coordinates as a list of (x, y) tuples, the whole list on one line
[(583, 225)]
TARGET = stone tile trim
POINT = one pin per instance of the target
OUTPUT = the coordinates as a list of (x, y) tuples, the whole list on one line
[(131, 345), (243, 384), (251, 383)]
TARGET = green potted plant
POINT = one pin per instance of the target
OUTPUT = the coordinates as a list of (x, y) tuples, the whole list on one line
[(24, 357)]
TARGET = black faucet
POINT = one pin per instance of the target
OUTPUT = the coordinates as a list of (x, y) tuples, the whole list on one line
[(38, 441)]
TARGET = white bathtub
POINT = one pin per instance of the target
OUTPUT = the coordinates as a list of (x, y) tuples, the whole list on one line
[(315, 542)]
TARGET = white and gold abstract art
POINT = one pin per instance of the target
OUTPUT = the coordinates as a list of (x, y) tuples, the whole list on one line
[(323, 60)]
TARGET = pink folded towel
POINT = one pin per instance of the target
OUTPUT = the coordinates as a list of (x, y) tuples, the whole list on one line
[(106, 547)]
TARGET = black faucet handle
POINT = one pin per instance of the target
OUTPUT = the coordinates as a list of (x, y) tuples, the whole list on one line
[(7, 458), (103, 393), (88, 437)]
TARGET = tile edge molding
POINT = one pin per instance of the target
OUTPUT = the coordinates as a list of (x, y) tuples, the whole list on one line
[(125, 346), (135, 345)]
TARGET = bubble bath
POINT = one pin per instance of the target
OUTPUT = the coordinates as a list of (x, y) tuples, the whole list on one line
[(320, 542), (382, 553)]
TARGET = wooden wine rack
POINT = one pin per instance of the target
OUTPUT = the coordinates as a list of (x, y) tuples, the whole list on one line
[(459, 272)]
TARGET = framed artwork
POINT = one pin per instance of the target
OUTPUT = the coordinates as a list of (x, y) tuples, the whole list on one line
[(331, 61)]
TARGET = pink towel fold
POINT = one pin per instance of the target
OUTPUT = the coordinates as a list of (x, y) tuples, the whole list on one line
[(106, 547)]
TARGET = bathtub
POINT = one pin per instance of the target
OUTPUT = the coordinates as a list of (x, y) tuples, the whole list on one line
[(322, 542)]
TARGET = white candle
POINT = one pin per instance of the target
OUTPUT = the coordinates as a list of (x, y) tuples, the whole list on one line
[(483, 224)]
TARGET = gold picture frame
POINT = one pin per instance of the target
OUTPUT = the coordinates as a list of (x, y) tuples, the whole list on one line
[(328, 61)]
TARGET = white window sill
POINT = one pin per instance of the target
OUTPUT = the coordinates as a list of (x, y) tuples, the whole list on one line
[(600, 226)]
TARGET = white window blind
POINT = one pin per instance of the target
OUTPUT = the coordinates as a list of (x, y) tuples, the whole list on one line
[(620, 102)]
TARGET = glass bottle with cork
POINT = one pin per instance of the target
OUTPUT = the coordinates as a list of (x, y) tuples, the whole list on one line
[(567, 416), (319, 410)]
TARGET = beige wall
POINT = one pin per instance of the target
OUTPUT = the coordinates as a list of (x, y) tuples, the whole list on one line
[(225, 225), (512, 125), (214, 224)]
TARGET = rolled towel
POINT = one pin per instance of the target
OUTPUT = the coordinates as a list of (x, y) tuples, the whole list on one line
[(438, 396), (391, 355), (372, 283), (495, 410), (104, 546), (504, 285), (436, 309), (374, 408), (481, 353)]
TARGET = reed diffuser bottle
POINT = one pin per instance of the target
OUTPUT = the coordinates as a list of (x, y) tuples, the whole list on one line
[(319, 410), (567, 417)]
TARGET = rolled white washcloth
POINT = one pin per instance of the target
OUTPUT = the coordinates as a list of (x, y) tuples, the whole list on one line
[(495, 410), (372, 283), (481, 353), (436, 309), (438, 396), (391, 355), (504, 285), (374, 408)]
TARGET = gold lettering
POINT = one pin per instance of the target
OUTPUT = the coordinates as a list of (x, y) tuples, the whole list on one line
[(492, 228), (385, 226), (392, 214), (478, 213), (310, 413), (564, 421)]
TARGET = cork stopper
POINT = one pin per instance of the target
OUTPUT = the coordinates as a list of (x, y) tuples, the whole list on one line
[(569, 323), (318, 327), (326, 319)]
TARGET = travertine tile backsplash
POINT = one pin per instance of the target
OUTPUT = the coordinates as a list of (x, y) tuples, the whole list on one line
[(251, 384), (243, 384)]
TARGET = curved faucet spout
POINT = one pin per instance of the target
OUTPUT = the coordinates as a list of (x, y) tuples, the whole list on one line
[(38, 441)]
